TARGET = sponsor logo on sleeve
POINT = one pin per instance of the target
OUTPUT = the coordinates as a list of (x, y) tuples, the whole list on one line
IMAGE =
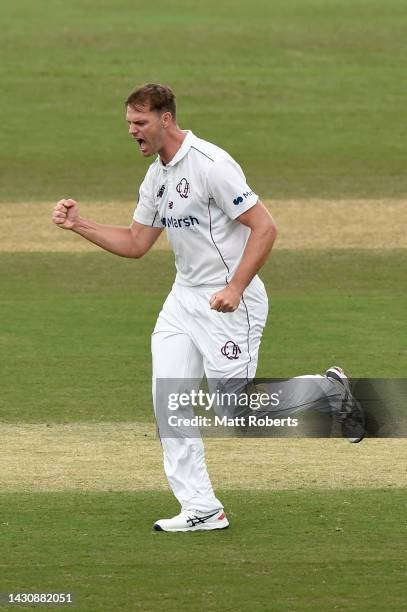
[(241, 198)]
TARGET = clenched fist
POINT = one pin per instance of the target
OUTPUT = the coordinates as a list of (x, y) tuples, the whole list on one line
[(65, 214), (226, 300)]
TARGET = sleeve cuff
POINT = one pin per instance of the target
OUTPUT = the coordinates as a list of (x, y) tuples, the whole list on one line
[(152, 220)]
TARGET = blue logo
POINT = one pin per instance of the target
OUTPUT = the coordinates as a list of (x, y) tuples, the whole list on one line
[(180, 222), (239, 199)]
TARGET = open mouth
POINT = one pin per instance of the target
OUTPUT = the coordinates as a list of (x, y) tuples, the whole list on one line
[(142, 144)]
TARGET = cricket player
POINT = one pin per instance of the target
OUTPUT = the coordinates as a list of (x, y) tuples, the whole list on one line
[(212, 321)]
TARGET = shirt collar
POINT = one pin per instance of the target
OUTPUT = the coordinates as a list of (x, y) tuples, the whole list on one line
[(182, 151)]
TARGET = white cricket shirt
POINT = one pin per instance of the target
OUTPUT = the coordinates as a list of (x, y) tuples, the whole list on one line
[(197, 197)]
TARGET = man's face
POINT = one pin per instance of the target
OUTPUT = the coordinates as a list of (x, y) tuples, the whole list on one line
[(147, 128)]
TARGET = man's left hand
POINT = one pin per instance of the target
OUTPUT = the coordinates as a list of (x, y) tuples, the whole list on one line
[(226, 300)]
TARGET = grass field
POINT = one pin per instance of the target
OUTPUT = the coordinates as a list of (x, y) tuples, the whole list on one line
[(287, 551), (315, 524), (310, 98), (95, 312)]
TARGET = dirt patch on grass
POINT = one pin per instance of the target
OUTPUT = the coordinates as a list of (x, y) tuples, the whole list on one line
[(127, 457), (303, 224)]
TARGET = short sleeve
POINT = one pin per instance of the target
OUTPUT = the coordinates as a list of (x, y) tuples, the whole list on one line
[(228, 187), (146, 211)]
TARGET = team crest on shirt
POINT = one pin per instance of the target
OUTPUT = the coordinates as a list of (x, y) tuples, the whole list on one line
[(231, 350), (183, 188)]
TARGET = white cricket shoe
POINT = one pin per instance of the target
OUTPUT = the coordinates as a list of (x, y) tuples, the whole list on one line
[(194, 520), (352, 417)]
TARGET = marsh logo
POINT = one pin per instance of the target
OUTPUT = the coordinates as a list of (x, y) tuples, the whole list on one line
[(180, 222), (239, 199), (183, 188), (231, 350)]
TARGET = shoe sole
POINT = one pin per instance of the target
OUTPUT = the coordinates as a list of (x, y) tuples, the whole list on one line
[(205, 527)]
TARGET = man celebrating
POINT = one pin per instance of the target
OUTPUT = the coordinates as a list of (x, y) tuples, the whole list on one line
[(212, 321)]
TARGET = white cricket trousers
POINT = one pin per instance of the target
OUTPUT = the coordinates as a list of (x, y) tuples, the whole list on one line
[(190, 340)]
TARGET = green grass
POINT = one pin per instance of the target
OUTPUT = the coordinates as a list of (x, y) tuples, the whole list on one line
[(76, 327), (284, 551), (309, 96)]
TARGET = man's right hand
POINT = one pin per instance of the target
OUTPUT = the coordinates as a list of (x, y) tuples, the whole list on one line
[(66, 214)]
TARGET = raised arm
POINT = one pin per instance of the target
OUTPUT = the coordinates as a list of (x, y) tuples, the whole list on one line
[(133, 241)]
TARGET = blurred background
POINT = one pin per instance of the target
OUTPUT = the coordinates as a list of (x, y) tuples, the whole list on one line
[(309, 96)]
